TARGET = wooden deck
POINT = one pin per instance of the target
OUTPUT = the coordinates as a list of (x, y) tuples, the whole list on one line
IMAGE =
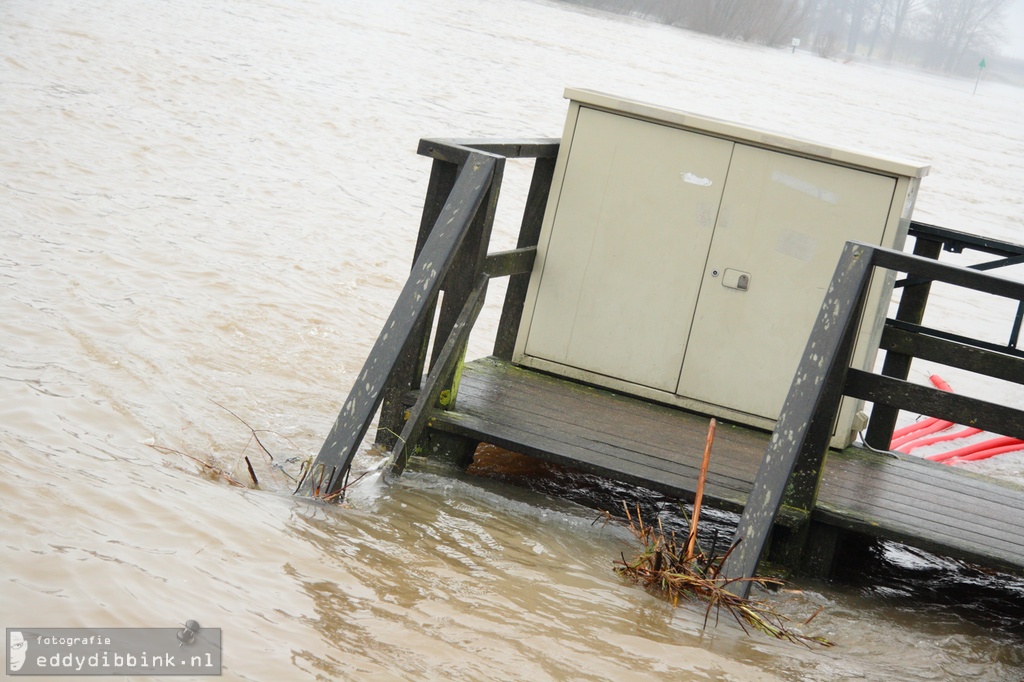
[(937, 508)]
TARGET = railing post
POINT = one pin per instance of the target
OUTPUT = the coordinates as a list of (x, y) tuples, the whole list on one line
[(452, 354), (529, 234), (911, 309), (460, 280), (1018, 319), (409, 369)]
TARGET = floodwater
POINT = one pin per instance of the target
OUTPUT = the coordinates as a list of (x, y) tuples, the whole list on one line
[(207, 209)]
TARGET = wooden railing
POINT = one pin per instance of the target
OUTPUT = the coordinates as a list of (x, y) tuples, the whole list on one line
[(930, 242), (791, 468), (451, 259)]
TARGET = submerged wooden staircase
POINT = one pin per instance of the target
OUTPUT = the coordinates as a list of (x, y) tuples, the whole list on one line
[(788, 486)]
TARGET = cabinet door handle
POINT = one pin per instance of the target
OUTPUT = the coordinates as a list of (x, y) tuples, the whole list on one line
[(736, 279)]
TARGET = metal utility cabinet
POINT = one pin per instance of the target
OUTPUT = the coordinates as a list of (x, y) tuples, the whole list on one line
[(684, 259)]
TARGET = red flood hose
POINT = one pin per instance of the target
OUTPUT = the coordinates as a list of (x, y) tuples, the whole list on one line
[(984, 449), (955, 435), (912, 437), (912, 432), (932, 427)]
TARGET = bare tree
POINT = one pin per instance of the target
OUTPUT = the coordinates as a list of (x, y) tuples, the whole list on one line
[(827, 44), (880, 8), (718, 17), (771, 22), (901, 9), (788, 21), (831, 25), (856, 24), (958, 27)]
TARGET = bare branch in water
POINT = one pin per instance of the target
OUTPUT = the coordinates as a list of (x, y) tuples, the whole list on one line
[(206, 465), (255, 435), (252, 474)]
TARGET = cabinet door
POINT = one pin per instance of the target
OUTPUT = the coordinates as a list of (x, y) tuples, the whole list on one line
[(782, 225), (627, 248)]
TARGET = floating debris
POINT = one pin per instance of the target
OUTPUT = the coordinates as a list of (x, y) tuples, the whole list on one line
[(682, 571), (664, 565)]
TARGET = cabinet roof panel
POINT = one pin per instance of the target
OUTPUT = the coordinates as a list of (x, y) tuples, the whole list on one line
[(741, 133)]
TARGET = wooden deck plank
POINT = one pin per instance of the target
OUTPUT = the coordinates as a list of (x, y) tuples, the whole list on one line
[(927, 505), (903, 498), (635, 439), (603, 432), (854, 485), (608, 411)]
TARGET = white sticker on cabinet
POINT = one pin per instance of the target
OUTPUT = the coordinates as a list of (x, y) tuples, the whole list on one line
[(696, 179)]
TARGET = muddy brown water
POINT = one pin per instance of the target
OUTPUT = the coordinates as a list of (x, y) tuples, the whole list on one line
[(210, 206)]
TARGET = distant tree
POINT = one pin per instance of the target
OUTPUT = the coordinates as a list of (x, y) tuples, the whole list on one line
[(771, 22), (836, 24), (960, 27), (879, 8), (675, 12), (827, 44), (937, 34), (901, 9), (856, 25), (786, 22), (831, 24)]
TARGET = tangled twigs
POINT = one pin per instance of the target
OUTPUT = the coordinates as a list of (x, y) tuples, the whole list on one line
[(680, 570), (320, 482), (667, 566)]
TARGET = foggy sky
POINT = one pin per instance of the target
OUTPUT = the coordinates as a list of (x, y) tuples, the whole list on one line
[(1014, 46)]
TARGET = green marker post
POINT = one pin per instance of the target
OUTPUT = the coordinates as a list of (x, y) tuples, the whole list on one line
[(980, 67)]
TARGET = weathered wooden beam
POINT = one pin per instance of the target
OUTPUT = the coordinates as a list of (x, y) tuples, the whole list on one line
[(545, 151), (926, 268), (514, 262), (952, 338), (442, 377), (456, 150), (443, 175), (956, 242), (409, 368), (804, 427), (919, 343), (529, 234), (433, 263), (952, 240), (998, 263), (469, 259), (1018, 322), (941, 404), (449, 156)]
